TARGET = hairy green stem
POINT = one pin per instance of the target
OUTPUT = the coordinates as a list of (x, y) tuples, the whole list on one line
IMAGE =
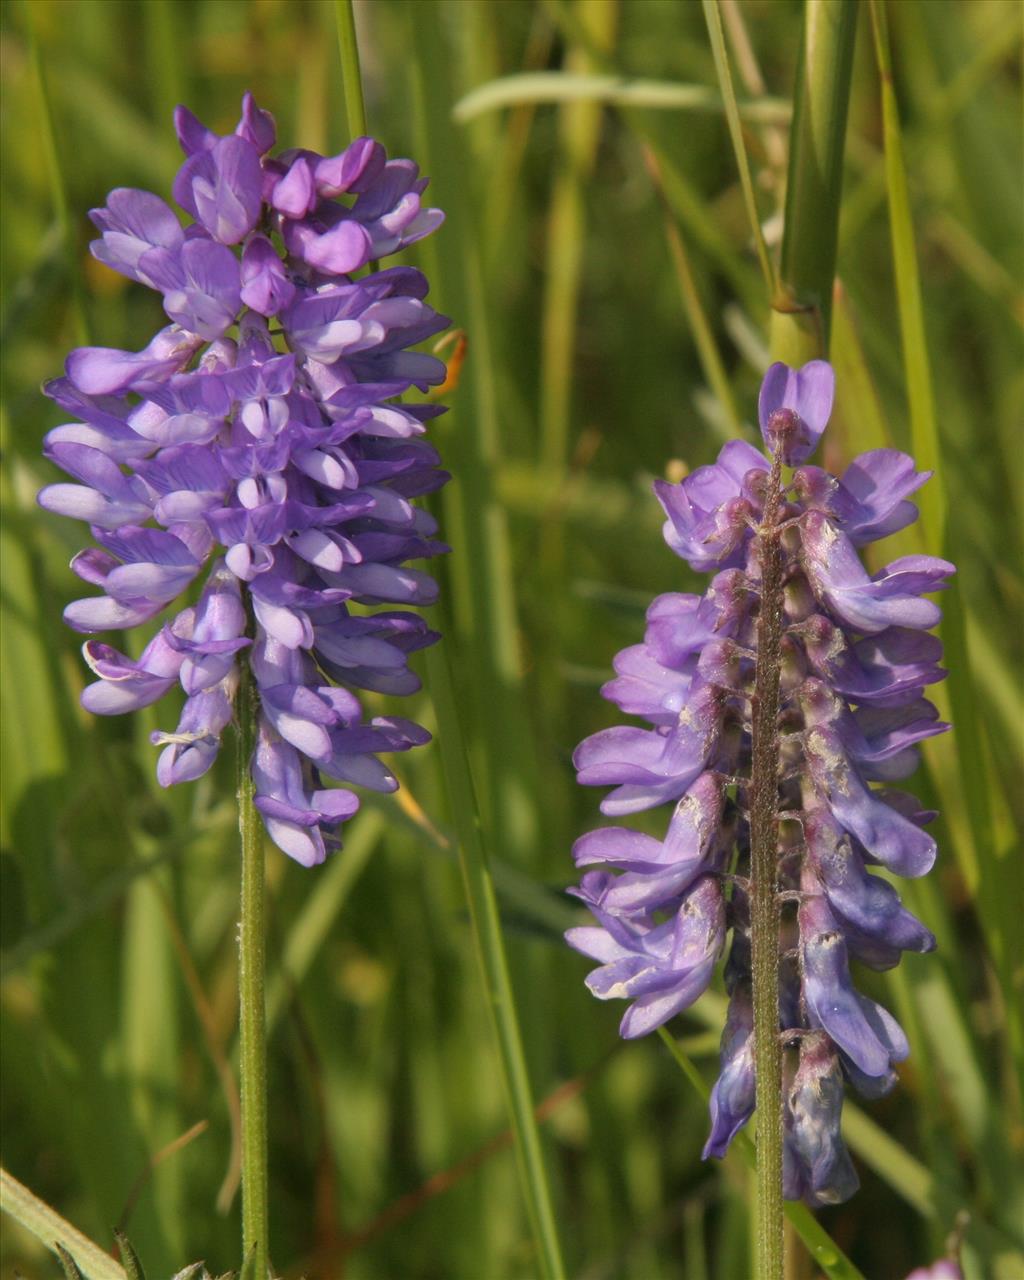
[(252, 1000), (764, 898), (350, 73), (802, 308)]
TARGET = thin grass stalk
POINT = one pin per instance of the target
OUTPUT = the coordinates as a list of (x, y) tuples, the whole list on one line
[(713, 18), (478, 880), (983, 867), (688, 204), (352, 80), (482, 578), (579, 129), (252, 1060), (801, 316), (703, 333), (579, 136), (483, 585), (57, 188)]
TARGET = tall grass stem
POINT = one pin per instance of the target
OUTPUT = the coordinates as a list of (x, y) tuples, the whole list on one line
[(713, 17), (802, 310), (352, 86), (490, 949), (58, 188)]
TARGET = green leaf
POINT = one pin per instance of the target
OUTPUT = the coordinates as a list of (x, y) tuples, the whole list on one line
[(56, 1233)]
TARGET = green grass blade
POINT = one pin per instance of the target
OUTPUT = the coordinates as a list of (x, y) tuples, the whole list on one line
[(352, 81), (150, 1048), (578, 134), (917, 366), (713, 17), (982, 865), (616, 90), (490, 949), (700, 324), (56, 173), (47, 1225)]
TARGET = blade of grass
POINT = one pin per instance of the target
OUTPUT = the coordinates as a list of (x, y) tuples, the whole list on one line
[(579, 133), (58, 190), (490, 949), (620, 91), (482, 582), (980, 863), (700, 326), (55, 1232), (689, 205), (487, 587), (352, 80), (150, 1046), (579, 128), (713, 18)]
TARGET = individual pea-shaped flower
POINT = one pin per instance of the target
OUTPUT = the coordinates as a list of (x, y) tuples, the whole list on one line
[(277, 461), (855, 662)]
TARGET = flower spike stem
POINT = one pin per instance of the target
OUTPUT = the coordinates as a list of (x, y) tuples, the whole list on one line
[(252, 1001), (764, 904)]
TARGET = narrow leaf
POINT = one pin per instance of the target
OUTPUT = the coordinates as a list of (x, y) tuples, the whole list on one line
[(56, 1233)]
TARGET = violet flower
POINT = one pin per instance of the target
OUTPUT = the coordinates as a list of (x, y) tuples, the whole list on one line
[(260, 438), (855, 662)]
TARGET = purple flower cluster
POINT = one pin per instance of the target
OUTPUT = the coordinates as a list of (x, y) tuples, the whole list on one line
[(261, 430), (944, 1269), (855, 662)]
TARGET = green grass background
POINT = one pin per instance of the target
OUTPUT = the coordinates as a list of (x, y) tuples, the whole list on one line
[(583, 380)]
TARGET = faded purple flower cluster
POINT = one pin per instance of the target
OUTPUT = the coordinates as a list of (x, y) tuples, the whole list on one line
[(944, 1269), (855, 662), (260, 433)]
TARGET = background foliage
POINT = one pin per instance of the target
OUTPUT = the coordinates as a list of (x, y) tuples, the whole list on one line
[(588, 371)]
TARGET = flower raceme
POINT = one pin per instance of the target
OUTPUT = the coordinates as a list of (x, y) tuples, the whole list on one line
[(277, 459), (854, 662)]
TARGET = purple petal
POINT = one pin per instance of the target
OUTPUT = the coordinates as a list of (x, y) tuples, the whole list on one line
[(888, 836), (256, 125), (794, 407), (222, 188), (265, 286)]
